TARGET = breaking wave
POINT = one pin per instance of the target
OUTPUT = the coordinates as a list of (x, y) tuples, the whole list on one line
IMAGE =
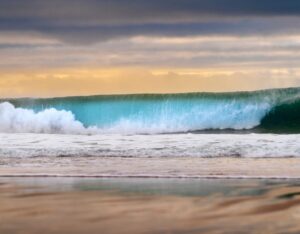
[(275, 110)]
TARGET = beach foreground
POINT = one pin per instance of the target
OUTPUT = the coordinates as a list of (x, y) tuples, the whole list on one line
[(168, 183), (156, 167), (77, 205)]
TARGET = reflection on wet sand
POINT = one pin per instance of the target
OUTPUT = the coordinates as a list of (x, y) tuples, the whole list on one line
[(104, 206)]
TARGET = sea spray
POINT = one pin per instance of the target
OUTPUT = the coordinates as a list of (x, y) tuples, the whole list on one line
[(154, 113)]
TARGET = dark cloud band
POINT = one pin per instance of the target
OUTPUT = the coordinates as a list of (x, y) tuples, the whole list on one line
[(96, 20), (127, 10)]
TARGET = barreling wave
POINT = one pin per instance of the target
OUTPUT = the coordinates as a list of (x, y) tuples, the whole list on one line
[(276, 110)]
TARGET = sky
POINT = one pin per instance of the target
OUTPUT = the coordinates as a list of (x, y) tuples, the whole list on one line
[(88, 47)]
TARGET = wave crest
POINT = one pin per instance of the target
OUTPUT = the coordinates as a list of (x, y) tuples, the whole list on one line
[(21, 120), (150, 114)]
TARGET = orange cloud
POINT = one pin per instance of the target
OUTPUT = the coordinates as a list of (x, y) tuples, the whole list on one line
[(91, 81)]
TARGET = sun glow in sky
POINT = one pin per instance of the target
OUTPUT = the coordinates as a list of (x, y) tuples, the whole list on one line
[(85, 47)]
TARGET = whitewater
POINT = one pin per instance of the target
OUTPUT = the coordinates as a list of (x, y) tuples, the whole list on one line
[(48, 146), (260, 124), (275, 110)]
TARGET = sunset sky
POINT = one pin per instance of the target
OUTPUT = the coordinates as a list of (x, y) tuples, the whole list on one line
[(84, 47)]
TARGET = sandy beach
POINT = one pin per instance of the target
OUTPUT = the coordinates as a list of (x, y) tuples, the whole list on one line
[(149, 117), (69, 205), (163, 167), (57, 184)]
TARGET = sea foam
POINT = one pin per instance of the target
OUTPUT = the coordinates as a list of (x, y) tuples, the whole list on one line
[(48, 121), (271, 110)]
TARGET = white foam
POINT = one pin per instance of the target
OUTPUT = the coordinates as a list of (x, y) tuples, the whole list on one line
[(51, 120), (166, 145), (19, 120)]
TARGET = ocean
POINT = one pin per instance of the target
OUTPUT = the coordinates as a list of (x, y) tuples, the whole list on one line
[(161, 135), (188, 163), (267, 111)]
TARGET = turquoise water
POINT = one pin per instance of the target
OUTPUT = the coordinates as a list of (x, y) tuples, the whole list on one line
[(275, 110)]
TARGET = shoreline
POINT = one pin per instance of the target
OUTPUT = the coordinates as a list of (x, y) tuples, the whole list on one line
[(183, 167), (150, 177)]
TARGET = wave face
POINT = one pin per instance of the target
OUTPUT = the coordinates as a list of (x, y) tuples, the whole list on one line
[(275, 110)]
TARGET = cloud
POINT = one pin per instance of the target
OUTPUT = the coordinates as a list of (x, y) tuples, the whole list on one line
[(185, 52), (135, 11), (252, 36), (76, 82), (87, 21)]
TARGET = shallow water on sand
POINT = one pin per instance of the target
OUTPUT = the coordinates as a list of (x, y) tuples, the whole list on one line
[(169, 155), (118, 183), (183, 167), (161, 145), (75, 205)]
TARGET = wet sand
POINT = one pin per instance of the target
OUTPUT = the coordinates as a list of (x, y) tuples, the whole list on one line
[(149, 195), (77, 205), (166, 167)]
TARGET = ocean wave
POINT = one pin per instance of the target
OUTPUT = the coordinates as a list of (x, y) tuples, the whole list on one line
[(50, 120), (269, 110)]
